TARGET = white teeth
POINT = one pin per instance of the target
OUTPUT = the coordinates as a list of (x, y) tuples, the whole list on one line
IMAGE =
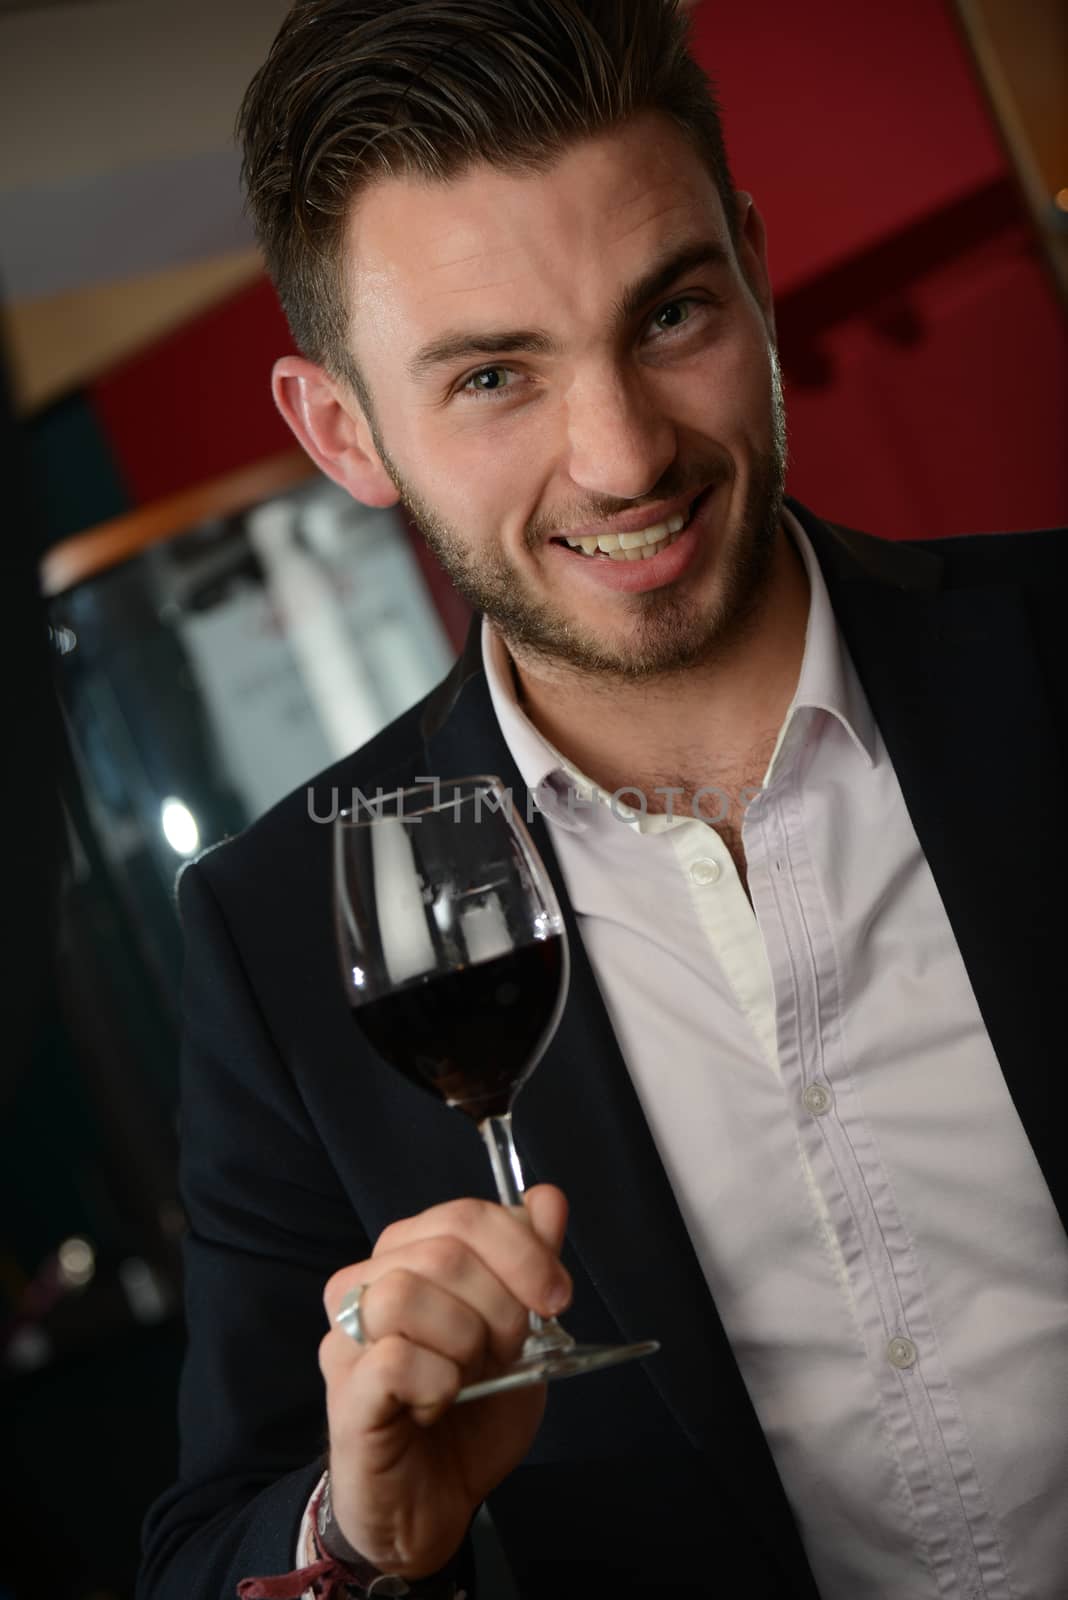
[(613, 544), (646, 553)]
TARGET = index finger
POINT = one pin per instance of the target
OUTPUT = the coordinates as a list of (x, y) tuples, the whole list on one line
[(505, 1241)]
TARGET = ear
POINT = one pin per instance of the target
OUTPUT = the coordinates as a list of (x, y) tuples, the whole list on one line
[(752, 250), (329, 422)]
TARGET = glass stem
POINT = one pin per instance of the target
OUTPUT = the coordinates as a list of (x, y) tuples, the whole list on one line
[(546, 1333), (504, 1159)]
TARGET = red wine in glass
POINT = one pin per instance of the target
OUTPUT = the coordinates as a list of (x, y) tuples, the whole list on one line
[(455, 963)]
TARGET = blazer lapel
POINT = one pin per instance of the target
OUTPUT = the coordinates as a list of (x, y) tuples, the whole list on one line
[(579, 1124), (956, 689)]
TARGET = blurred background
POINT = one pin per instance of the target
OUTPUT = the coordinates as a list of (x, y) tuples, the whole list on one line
[(196, 621)]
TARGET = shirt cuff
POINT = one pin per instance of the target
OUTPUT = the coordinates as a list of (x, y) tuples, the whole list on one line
[(305, 1548), (441, 1586)]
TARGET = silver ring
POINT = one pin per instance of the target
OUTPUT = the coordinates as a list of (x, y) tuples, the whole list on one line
[(348, 1317)]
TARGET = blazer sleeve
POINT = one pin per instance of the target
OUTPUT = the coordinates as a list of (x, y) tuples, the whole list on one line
[(268, 1222)]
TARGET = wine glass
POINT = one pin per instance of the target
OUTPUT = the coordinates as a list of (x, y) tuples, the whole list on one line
[(455, 964)]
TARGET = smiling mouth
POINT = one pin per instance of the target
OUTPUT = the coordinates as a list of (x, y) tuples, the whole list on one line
[(642, 545)]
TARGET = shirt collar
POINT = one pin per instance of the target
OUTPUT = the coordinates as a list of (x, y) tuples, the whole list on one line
[(827, 682)]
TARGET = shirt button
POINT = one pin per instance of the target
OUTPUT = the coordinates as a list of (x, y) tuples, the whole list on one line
[(818, 1099), (901, 1352), (705, 871)]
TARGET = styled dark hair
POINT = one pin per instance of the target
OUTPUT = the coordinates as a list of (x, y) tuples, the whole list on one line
[(357, 90)]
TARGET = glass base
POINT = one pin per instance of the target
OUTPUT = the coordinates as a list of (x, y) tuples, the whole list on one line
[(554, 1364)]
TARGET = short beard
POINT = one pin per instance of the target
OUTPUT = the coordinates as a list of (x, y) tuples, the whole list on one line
[(672, 631)]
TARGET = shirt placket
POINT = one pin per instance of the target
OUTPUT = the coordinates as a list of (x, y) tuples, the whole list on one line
[(953, 1527)]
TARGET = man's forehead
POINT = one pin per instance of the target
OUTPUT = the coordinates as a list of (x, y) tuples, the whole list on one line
[(486, 230)]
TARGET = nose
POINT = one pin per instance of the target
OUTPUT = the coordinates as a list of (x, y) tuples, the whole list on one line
[(620, 441)]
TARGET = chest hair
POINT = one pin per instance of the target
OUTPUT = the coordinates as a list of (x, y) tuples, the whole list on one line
[(719, 797)]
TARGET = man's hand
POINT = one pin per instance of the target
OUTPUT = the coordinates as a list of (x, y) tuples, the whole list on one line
[(447, 1303)]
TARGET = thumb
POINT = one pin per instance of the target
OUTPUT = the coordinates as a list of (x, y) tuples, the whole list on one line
[(546, 1206)]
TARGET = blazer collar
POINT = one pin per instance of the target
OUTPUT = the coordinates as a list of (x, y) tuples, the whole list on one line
[(442, 701)]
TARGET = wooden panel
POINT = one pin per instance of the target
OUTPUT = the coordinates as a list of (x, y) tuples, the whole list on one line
[(57, 342), (92, 553), (1021, 56)]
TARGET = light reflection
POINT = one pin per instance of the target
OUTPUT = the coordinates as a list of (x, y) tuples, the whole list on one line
[(179, 827), (77, 1262)]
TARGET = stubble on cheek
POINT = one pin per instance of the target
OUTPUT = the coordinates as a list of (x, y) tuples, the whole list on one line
[(487, 580)]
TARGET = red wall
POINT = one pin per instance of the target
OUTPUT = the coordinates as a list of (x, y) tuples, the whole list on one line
[(197, 403), (924, 351), (846, 122), (923, 346)]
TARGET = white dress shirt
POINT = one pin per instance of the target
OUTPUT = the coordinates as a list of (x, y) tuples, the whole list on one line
[(868, 1212)]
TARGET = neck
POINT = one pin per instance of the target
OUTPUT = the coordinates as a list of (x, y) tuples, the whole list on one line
[(692, 723)]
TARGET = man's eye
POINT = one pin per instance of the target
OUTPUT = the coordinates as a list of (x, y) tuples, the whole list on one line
[(675, 314), (487, 381)]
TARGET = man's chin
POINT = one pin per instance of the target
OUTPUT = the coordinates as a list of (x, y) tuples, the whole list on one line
[(646, 647)]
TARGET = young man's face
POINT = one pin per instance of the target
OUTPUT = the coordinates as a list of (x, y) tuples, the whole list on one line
[(574, 354)]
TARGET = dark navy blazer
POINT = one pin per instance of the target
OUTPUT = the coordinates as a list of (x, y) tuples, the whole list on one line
[(299, 1145)]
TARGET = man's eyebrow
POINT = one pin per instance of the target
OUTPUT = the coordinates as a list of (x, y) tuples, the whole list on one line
[(460, 344), (666, 273)]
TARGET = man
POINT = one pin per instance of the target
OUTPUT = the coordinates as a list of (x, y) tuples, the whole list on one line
[(804, 1100)]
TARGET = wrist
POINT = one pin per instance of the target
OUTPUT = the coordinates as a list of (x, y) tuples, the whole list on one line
[(361, 1575), (327, 1534)]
